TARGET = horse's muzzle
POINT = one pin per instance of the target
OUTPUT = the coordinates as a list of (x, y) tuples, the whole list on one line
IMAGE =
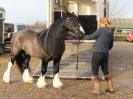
[(81, 30), (78, 33)]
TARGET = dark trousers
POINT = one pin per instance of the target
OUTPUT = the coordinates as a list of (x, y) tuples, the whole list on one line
[(99, 59)]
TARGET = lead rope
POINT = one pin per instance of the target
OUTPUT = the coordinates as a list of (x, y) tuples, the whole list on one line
[(77, 53)]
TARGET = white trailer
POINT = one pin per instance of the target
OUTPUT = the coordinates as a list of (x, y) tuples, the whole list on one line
[(88, 11)]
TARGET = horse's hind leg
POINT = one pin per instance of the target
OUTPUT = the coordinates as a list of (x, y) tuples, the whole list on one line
[(41, 81), (6, 76), (56, 81), (26, 75)]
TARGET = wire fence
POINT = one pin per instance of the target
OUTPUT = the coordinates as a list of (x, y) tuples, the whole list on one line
[(120, 36)]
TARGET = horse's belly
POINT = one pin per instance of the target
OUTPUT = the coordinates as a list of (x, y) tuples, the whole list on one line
[(33, 50)]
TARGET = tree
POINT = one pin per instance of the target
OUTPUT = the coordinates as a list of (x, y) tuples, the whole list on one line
[(116, 10), (37, 26)]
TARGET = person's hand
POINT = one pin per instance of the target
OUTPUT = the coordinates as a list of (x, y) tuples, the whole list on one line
[(85, 36)]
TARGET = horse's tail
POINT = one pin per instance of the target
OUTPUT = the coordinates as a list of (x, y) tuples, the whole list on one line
[(20, 59)]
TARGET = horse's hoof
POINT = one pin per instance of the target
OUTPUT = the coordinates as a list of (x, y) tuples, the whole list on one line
[(6, 78), (28, 81), (42, 86), (57, 84), (6, 82), (60, 87)]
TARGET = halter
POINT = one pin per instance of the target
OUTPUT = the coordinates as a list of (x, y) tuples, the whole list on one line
[(74, 28), (68, 21), (77, 54)]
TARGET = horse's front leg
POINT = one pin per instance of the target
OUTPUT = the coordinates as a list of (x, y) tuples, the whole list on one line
[(56, 81), (41, 81), (26, 75), (6, 76)]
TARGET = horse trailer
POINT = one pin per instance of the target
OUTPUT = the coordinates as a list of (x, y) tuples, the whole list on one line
[(9, 30), (2, 18), (78, 53), (88, 11)]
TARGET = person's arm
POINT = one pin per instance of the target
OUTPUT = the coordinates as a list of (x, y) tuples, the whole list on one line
[(94, 35)]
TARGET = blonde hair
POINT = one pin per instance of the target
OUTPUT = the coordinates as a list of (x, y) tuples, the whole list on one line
[(104, 22)]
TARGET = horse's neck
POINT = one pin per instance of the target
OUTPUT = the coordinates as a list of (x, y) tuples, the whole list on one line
[(55, 33), (57, 30)]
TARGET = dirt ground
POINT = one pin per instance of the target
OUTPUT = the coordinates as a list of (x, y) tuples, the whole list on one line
[(120, 65)]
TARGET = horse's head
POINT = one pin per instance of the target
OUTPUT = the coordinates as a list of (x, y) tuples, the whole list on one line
[(73, 24)]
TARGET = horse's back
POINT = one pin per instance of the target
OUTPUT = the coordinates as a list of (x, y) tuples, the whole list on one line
[(22, 36), (26, 40)]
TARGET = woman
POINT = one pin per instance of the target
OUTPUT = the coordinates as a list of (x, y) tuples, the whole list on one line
[(104, 42)]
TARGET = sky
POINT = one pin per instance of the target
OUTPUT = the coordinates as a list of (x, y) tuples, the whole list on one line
[(24, 11), (31, 11), (126, 7)]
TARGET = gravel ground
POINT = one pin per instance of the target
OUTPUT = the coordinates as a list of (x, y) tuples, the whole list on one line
[(120, 65)]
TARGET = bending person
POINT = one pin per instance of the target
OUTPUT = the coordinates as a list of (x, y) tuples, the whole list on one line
[(104, 42)]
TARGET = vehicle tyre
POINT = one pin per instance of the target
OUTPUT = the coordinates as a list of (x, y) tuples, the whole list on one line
[(1, 49)]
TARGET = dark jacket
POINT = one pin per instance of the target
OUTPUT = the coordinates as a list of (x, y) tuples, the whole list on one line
[(104, 40)]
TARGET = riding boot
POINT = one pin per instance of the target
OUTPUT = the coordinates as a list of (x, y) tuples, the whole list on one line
[(97, 85), (108, 78)]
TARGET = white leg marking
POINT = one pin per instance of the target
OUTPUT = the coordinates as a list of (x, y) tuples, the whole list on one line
[(26, 76), (6, 76), (57, 82), (41, 82)]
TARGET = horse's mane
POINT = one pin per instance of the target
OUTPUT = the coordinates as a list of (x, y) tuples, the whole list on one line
[(49, 37)]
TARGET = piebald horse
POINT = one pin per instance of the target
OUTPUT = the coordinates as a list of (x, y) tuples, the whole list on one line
[(47, 45)]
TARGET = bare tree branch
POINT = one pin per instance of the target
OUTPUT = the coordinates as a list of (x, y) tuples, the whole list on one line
[(116, 10)]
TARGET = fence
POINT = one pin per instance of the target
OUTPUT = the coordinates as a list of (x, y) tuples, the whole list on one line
[(120, 36)]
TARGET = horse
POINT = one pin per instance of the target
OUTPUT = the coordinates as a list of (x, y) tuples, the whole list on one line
[(48, 45)]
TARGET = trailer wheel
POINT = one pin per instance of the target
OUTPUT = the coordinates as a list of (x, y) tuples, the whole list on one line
[(1, 49)]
